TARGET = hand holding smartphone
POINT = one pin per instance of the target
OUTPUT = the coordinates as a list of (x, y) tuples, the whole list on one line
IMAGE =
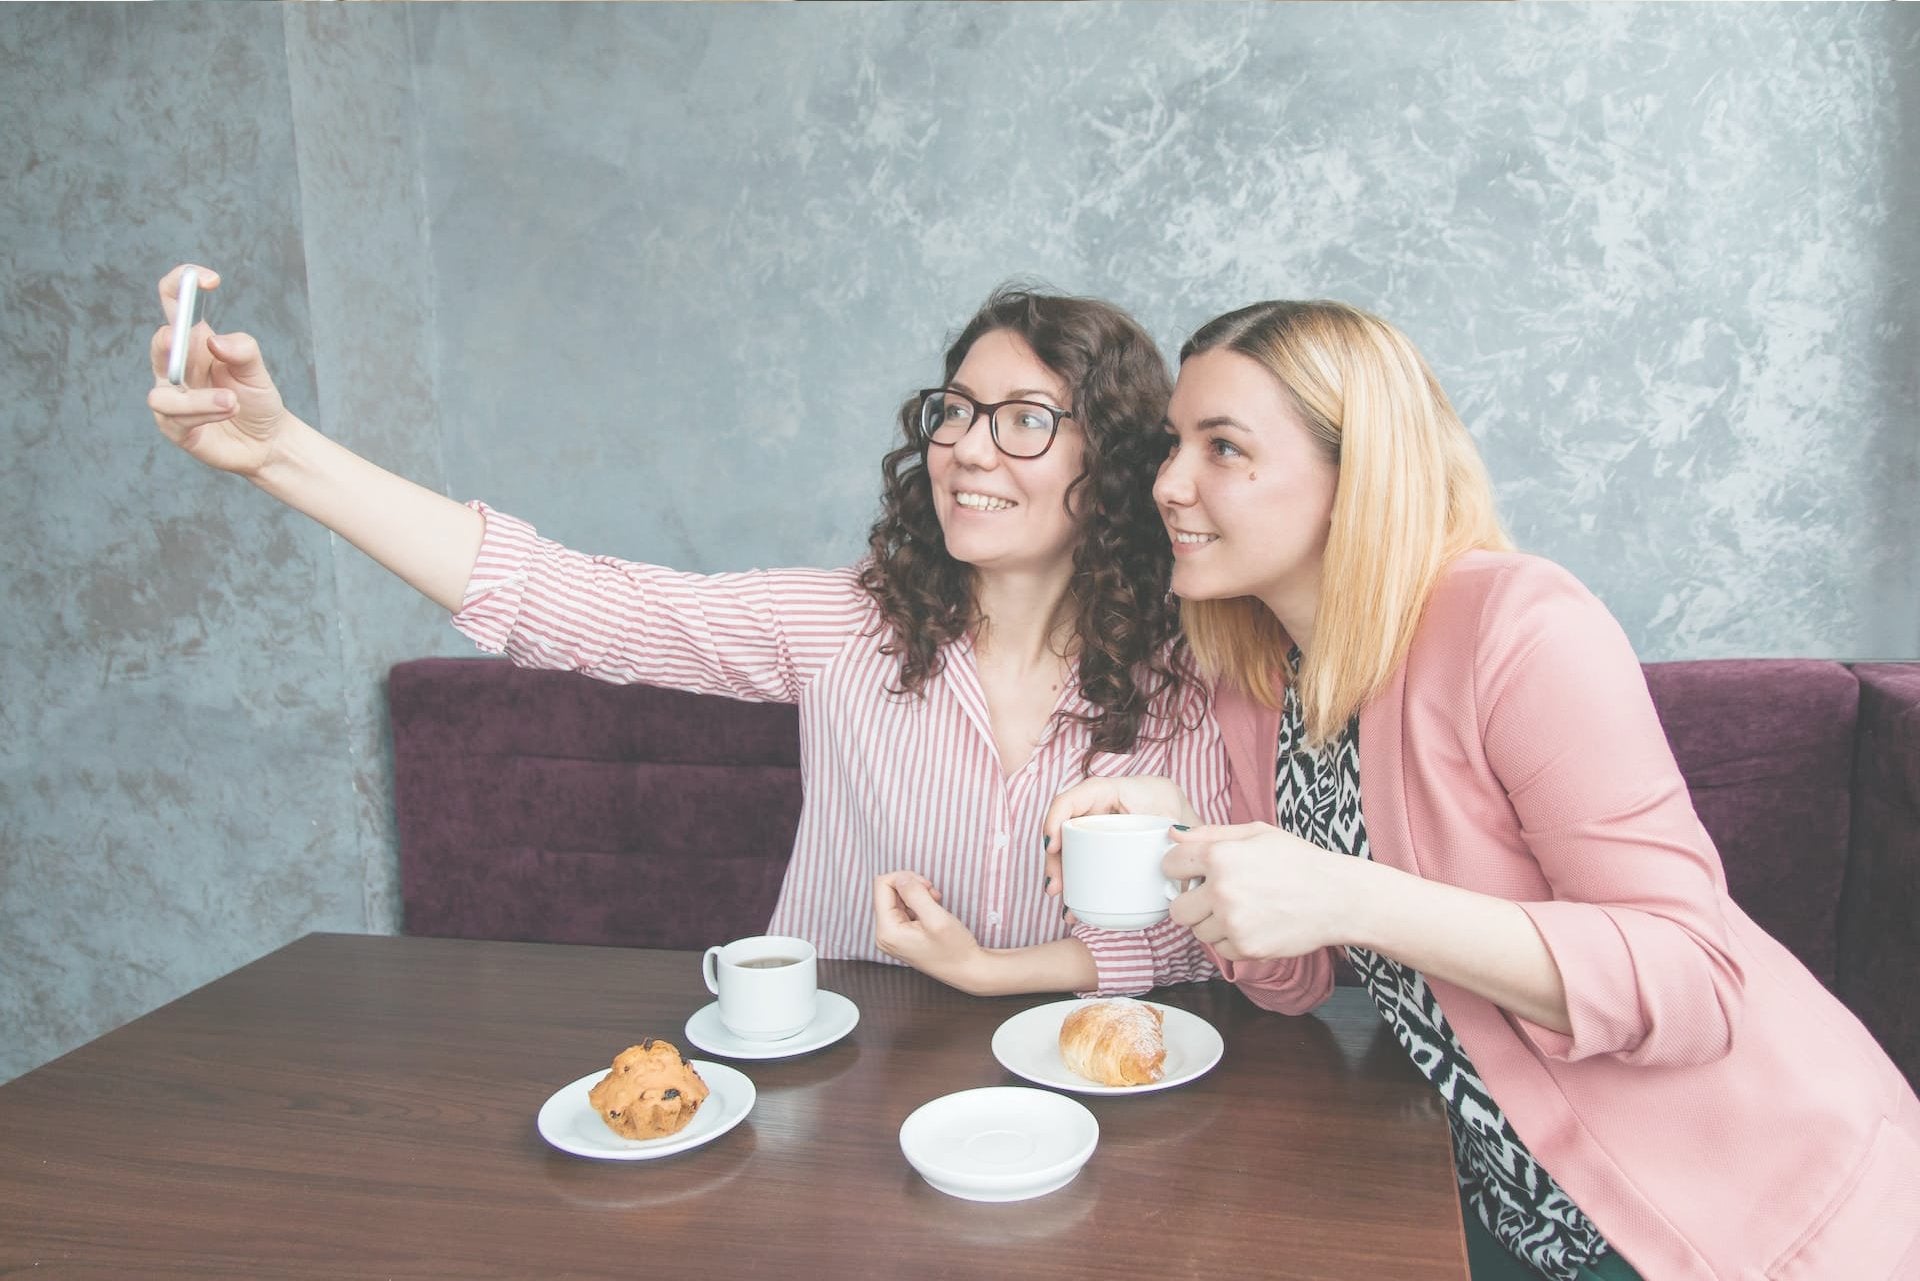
[(187, 313), (211, 394)]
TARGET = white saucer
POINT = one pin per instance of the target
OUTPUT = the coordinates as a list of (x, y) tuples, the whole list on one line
[(1028, 1045), (833, 1017), (569, 1122), (1000, 1143)]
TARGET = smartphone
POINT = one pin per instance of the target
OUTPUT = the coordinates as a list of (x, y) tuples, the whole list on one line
[(186, 315)]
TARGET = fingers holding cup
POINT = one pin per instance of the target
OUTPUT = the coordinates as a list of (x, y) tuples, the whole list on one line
[(1101, 794)]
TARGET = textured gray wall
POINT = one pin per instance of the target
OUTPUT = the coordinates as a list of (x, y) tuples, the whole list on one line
[(173, 791), (655, 277)]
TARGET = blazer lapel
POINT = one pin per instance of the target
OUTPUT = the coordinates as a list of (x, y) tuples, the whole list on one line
[(1383, 783), (1251, 735)]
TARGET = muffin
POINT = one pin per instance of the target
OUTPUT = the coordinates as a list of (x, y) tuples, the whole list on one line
[(650, 1092)]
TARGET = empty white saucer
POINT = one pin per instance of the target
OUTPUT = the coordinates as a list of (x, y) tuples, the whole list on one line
[(833, 1017), (999, 1143)]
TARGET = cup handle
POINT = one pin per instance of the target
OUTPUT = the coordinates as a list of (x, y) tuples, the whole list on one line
[(1176, 888), (709, 970)]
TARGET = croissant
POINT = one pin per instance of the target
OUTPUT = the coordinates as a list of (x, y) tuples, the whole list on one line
[(1115, 1042)]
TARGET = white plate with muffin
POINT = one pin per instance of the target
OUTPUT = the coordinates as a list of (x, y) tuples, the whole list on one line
[(652, 1102), (1113, 1046)]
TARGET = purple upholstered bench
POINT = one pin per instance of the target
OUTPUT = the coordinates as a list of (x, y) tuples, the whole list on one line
[(546, 806), (1879, 921)]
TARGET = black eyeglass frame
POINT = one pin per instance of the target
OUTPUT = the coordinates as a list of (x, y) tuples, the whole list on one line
[(993, 425)]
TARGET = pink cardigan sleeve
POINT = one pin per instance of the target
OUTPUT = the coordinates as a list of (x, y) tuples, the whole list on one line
[(1635, 924), (1290, 985)]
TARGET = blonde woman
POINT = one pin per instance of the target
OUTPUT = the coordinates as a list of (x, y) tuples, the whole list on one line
[(1446, 765)]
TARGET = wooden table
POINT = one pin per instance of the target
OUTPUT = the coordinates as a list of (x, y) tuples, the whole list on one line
[(364, 1107)]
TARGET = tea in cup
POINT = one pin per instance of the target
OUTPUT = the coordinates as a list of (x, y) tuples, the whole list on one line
[(1110, 864), (766, 985)]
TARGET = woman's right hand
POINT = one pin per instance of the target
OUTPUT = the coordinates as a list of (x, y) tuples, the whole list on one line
[(229, 415), (1140, 794)]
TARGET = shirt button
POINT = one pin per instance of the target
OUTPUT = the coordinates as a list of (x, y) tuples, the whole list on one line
[(999, 840), (993, 918)]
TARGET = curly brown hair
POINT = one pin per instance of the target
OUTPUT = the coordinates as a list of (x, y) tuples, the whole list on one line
[(1132, 659)]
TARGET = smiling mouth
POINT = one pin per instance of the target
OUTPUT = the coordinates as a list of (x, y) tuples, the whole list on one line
[(983, 502), (1184, 539)]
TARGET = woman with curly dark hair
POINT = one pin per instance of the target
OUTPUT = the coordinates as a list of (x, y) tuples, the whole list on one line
[(1010, 632)]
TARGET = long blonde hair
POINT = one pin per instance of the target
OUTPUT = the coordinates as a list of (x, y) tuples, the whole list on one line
[(1412, 494)]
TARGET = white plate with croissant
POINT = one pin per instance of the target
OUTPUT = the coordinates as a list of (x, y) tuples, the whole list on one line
[(1113, 1046)]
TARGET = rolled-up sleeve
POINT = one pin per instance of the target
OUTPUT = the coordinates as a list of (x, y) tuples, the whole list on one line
[(1287, 985), (1637, 920), (1131, 961)]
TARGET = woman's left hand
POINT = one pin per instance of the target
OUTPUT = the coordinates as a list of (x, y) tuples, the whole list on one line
[(1265, 894), (910, 925)]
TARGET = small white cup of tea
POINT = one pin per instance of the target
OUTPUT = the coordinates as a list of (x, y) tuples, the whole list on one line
[(1110, 864), (766, 985)]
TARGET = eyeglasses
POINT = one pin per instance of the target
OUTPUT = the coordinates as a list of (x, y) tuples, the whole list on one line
[(1020, 428)]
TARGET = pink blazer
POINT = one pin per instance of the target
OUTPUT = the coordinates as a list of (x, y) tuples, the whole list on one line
[(1715, 1112)]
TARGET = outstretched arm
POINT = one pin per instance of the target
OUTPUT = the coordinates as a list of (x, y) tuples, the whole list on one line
[(230, 416)]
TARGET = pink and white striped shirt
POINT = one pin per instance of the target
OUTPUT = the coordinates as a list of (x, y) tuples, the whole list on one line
[(890, 782)]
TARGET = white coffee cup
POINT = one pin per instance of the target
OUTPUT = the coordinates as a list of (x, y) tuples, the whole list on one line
[(766, 985), (1111, 867)]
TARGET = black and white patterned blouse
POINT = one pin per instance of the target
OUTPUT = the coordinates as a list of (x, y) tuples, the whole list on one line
[(1317, 798)]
